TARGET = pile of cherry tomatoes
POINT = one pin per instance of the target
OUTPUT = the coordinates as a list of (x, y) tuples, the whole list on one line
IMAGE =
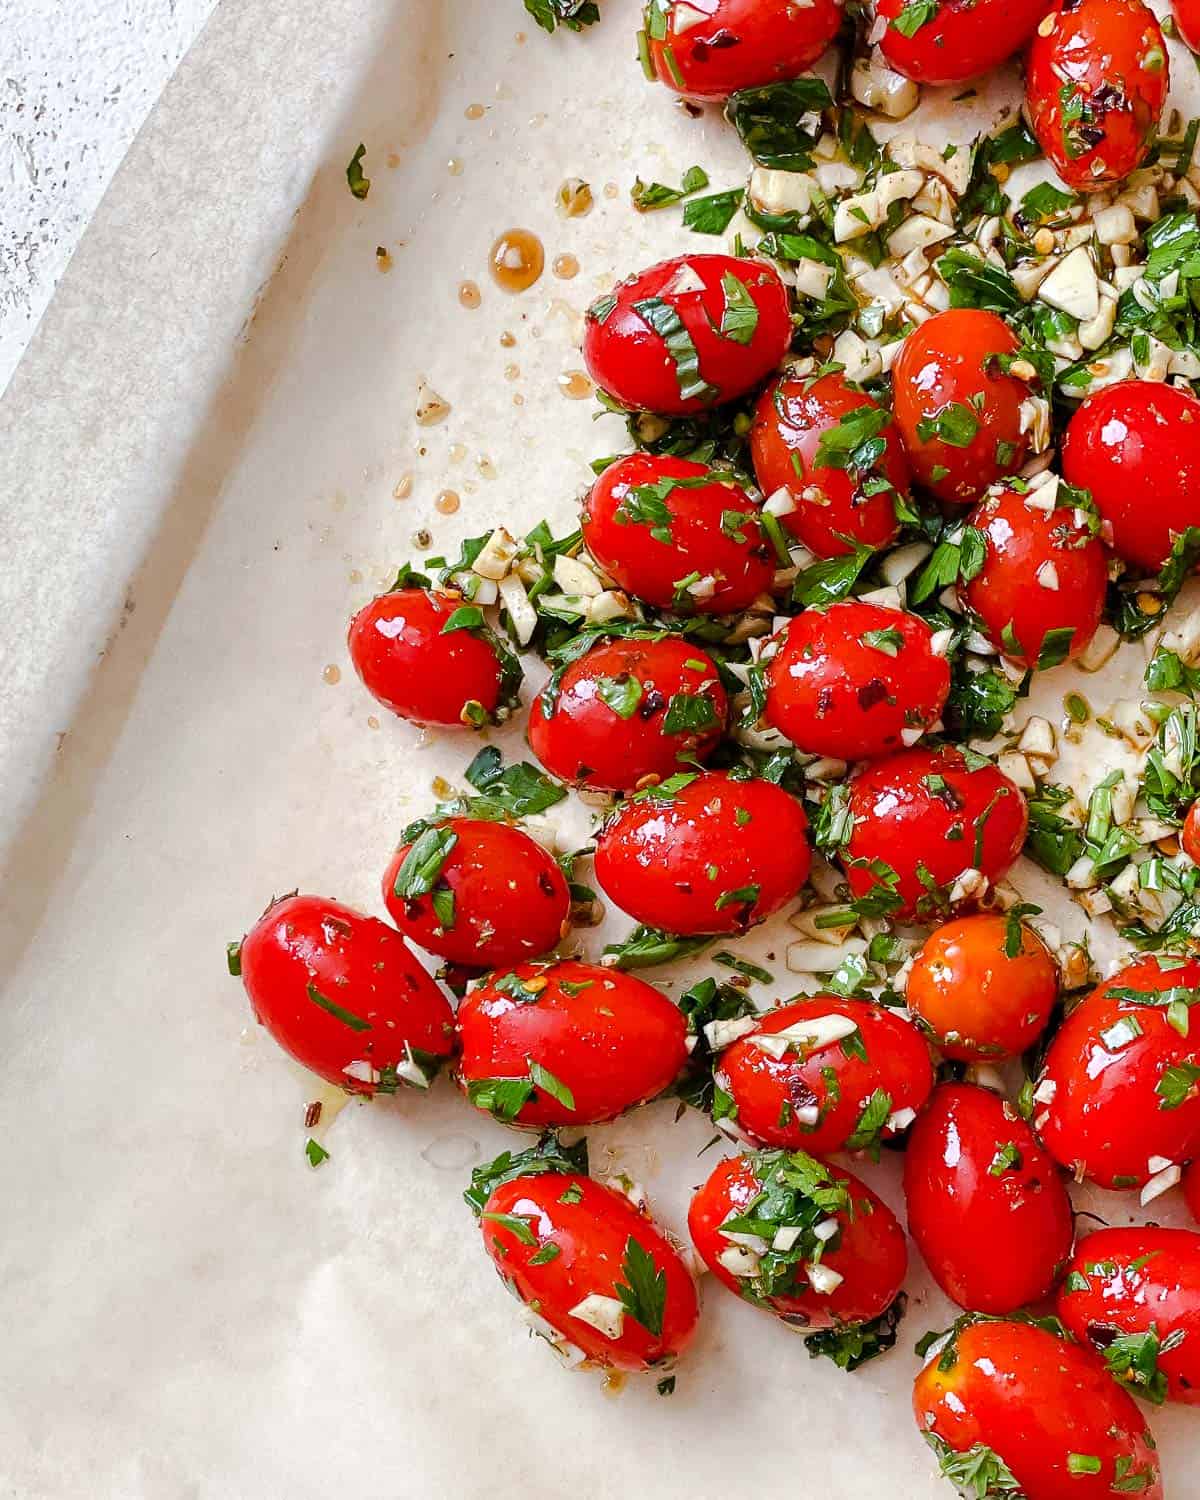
[(1031, 1392)]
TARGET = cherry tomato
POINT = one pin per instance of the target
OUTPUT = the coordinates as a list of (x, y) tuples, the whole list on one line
[(1187, 21), (958, 413), (688, 333), (927, 827), (736, 44), (344, 995), (849, 1272), (704, 854), (1030, 1407), (986, 1205), (1119, 1091), (680, 535), (1131, 441), (477, 893), (1095, 84), (603, 1247), (855, 680), (1190, 834), (1040, 592), (1134, 1294), (977, 1000), (800, 1079), (424, 656), (798, 443), (629, 709), (1191, 1189), (961, 39)]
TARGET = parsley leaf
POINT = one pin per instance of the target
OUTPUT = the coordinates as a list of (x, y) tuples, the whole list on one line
[(644, 1290), (739, 317), (422, 865)]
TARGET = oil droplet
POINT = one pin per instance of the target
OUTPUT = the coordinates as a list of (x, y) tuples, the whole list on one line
[(404, 487), (470, 486), (611, 189), (455, 167), (422, 540), (372, 722), (451, 1153), (565, 267), (538, 120), (507, 340), (519, 38), (383, 260), (517, 260), (485, 466), (332, 674), (518, 399), (447, 502), (393, 158), (458, 451), (355, 576), (511, 372), (574, 198), (469, 294), (474, 112), (614, 1382), (575, 385)]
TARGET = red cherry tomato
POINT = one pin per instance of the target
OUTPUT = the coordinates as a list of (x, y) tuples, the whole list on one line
[(736, 44), (849, 1272), (1045, 1408), (1119, 1088), (1095, 85), (680, 535), (655, 342), (704, 854), (570, 1042), (1139, 1284), (922, 820), (1132, 441), (855, 680), (1187, 21), (414, 665), (792, 1088), (958, 413), (603, 1246), (1191, 1189), (962, 39), (1190, 834), (1042, 572), (836, 505), (495, 898), (345, 996), (629, 709), (986, 1205), (977, 1000)]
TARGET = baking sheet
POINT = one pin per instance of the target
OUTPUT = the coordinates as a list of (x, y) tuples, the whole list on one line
[(197, 465)]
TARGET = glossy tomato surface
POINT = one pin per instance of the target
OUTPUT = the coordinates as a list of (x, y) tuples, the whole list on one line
[(415, 660), (1187, 20), (855, 681), (1191, 1189), (601, 1241), (763, 1192), (478, 893), (922, 820), (958, 412), (1040, 592), (1190, 834), (1095, 85), (956, 40), (345, 995), (571, 1043), (737, 44), (789, 1087), (629, 709), (655, 342), (1139, 439), (983, 986), (704, 854), (678, 534), (1134, 1294), (802, 439), (986, 1205), (1118, 1094), (1036, 1400)]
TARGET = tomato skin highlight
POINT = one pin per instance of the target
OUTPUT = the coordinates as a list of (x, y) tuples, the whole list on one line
[(408, 664), (966, 38), (900, 820), (760, 1085), (946, 369), (1041, 573), (1106, 1111), (631, 362), (1187, 21), (511, 900), (976, 1002), (357, 964), (1131, 441), (743, 44), (1105, 63), (871, 1255), (832, 692), (1035, 1399), (681, 865), (996, 1237), (1150, 1279), (702, 529), (790, 418), (1189, 837), (591, 1235)]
